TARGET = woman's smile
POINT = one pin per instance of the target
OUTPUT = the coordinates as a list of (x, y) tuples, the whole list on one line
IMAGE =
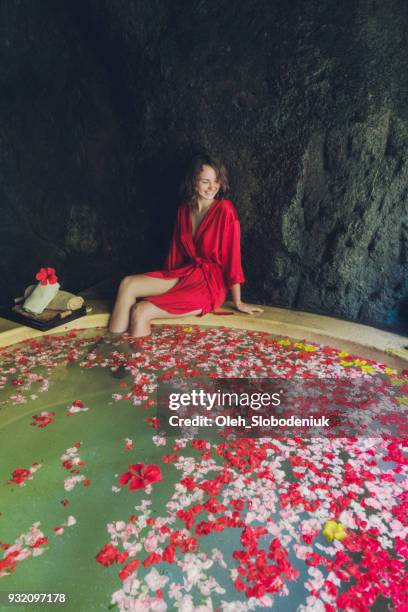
[(208, 184)]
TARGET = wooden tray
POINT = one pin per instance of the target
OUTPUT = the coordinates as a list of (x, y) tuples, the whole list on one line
[(45, 321)]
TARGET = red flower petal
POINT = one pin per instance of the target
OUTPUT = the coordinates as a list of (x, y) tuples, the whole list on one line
[(136, 468), (124, 478), (152, 473), (128, 569), (136, 483), (169, 554)]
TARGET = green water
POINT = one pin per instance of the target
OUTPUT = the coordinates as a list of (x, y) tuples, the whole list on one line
[(68, 563)]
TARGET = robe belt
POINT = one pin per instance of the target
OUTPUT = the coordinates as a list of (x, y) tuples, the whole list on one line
[(203, 264), (199, 262)]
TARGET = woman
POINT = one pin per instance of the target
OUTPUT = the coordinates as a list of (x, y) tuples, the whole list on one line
[(203, 263)]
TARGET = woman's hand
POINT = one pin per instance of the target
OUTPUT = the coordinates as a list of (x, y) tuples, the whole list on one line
[(247, 308)]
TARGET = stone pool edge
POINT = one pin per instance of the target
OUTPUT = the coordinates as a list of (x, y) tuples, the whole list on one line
[(343, 335)]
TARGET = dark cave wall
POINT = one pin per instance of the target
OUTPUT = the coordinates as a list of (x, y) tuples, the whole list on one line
[(306, 103), (62, 151)]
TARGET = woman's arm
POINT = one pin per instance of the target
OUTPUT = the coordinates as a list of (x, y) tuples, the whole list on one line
[(236, 294), (233, 272)]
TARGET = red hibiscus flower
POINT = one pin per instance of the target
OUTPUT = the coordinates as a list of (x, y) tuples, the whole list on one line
[(107, 555), (140, 475), (19, 476), (42, 421), (188, 482), (46, 276), (199, 444)]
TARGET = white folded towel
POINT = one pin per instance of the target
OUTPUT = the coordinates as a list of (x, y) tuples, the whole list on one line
[(39, 299), (64, 300)]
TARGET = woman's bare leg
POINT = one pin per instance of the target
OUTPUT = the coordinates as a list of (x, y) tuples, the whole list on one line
[(131, 288), (144, 312)]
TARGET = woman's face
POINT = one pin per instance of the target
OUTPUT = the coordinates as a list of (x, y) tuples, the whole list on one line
[(207, 184)]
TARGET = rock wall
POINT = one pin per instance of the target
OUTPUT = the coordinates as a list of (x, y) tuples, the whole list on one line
[(62, 155), (306, 103)]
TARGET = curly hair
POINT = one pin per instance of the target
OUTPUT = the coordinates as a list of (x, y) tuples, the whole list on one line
[(188, 188)]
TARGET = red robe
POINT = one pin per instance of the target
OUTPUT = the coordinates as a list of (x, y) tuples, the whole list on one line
[(207, 265)]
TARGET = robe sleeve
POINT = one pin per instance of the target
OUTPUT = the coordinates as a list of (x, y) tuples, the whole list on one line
[(175, 257), (231, 254)]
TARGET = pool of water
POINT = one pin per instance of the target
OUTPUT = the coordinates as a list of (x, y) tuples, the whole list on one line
[(98, 503)]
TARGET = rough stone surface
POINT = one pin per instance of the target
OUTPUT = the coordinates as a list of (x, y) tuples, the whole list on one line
[(305, 101)]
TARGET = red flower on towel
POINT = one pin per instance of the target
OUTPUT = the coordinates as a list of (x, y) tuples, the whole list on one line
[(46, 276)]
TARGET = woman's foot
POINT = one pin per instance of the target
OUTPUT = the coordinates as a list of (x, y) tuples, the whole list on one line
[(108, 344), (120, 372), (102, 347), (105, 344), (122, 343), (124, 348)]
